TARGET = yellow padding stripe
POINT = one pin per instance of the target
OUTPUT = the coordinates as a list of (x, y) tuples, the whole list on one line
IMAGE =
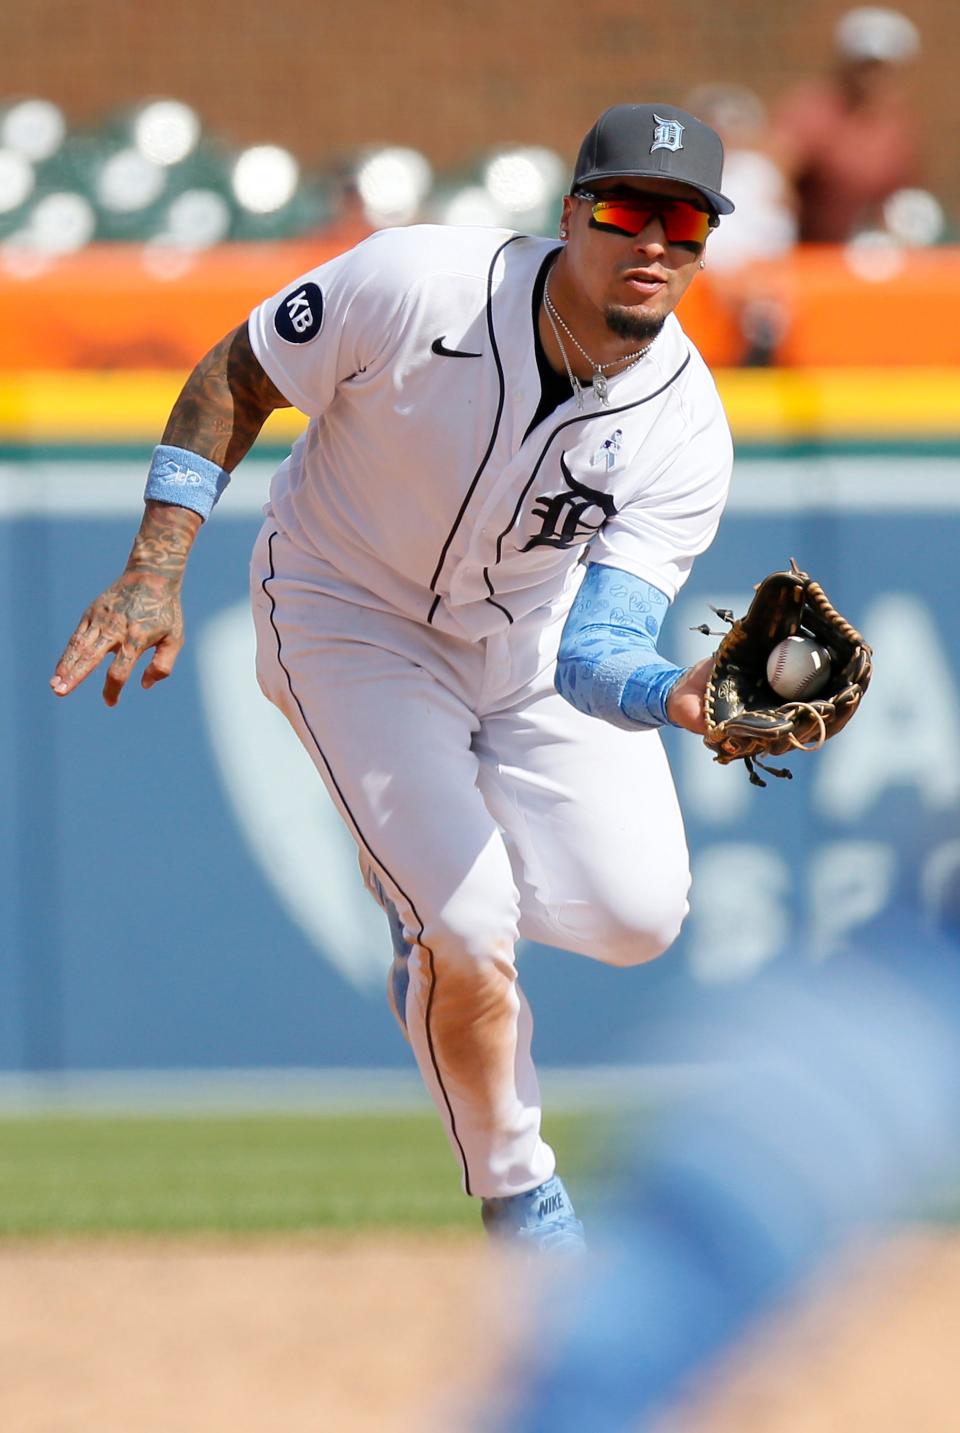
[(842, 402), (48, 406)]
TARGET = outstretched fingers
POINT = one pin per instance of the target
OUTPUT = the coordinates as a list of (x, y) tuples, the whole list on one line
[(128, 654), (136, 614), (83, 653), (162, 663)]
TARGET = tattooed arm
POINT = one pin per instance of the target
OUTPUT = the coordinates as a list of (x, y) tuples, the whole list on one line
[(221, 409), (224, 403)]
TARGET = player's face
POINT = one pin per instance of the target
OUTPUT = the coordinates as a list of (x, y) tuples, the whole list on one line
[(634, 280)]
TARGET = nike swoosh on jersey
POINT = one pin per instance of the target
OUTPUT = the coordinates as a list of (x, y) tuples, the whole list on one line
[(438, 346)]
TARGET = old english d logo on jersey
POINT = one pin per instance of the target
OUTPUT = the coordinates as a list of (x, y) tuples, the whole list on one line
[(299, 316), (564, 516), (667, 134)]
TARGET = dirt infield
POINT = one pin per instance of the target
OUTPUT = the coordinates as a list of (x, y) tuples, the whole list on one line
[(392, 1335), (202, 1337)]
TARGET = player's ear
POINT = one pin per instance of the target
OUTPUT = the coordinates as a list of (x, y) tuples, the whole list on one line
[(566, 215)]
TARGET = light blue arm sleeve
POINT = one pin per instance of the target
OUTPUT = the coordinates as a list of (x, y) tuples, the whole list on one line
[(608, 665)]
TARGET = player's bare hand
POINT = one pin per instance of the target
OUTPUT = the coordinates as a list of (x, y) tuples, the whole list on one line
[(139, 612), (685, 702)]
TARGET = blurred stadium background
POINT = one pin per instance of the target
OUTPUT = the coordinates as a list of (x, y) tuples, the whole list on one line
[(181, 923)]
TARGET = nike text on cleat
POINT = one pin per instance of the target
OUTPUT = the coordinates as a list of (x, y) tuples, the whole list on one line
[(438, 346), (542, 1219)]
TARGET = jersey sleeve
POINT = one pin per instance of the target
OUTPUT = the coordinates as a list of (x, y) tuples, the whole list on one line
[(658, 534), (328, 325)]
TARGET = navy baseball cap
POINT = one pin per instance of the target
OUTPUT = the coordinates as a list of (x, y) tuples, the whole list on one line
[(654, 141)]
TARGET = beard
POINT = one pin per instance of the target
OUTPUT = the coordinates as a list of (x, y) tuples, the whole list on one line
[(628, 323)]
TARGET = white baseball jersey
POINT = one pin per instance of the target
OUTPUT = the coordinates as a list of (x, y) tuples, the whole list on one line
[(410, 585), (417, 486)]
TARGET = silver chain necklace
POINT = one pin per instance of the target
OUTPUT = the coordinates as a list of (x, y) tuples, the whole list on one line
[(599, 382)]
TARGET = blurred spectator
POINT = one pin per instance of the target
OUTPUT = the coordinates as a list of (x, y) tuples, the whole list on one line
[(849, 140), (763, 225), (349, 221)]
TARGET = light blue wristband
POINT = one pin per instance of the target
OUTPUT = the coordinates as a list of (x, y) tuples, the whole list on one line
[(185, 480)]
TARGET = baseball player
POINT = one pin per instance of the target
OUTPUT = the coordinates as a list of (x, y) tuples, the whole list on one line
[(513, 457)]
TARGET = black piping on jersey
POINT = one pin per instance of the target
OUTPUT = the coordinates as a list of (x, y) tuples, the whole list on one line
[(554, 387), (493, 435), (580, 418), (359, 836)]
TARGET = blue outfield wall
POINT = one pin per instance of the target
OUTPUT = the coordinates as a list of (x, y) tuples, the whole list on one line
[(176, 890)]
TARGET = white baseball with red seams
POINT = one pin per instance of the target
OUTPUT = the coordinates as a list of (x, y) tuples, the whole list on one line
[(798, 668)]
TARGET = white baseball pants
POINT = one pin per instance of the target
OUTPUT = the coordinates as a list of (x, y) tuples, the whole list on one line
[(485, 808)]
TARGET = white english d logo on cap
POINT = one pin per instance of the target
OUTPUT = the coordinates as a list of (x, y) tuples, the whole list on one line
[(667, 134)]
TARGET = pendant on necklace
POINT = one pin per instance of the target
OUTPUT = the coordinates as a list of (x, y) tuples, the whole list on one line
[(602, 389), (577, 389)]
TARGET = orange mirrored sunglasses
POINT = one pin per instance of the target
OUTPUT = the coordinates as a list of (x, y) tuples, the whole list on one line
[(682, 223)]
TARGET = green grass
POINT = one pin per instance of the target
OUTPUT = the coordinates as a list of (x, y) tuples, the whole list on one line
[(242, 1174), (263, 1174)]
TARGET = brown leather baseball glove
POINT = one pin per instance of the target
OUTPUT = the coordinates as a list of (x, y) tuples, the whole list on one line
[(746, 720)]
